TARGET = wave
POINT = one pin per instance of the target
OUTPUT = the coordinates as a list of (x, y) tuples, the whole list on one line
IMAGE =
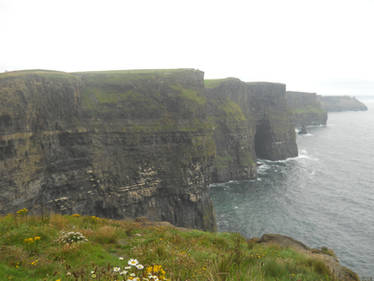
[(303, 154)]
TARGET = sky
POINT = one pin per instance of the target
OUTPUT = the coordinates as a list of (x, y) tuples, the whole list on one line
[(323, 46)]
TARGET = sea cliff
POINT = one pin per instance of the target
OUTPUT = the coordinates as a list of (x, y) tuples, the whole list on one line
[(306, 109), (342, 103), (124, 144), (113, 144), (251, 121)]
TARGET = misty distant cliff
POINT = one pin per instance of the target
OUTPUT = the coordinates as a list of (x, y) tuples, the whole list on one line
[(306, 109), (342, 103)]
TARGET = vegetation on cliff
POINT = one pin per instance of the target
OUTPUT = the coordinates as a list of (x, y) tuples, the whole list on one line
[(78, 247), (306, 109), (342, 103)]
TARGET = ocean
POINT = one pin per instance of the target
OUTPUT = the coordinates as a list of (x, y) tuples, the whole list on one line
[(323, 197)]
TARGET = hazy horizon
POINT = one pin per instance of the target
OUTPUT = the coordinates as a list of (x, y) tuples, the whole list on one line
[(320, 46)]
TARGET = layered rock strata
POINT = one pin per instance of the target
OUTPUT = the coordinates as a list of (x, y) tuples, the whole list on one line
[(125, 144), (306, 109), (113, 144)]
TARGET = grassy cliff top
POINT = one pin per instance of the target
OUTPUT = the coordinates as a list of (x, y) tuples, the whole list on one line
[(74, 247), (138, 71), (213, 83), (35, 72)]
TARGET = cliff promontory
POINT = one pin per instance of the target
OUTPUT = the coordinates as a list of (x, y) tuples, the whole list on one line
[(251, 121), (306, 109), (342, 103)]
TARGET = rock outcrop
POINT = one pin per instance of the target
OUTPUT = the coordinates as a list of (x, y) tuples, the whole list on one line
[(113, 144), (125, 144), (251, 120), (306, 109), (342, 103)]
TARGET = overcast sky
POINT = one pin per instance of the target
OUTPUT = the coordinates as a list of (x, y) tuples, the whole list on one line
[(323, 46)]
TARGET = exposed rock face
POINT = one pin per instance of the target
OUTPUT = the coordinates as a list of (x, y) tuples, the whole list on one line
[(306, 109), (113, 144), (342, 103), (251, 120), (124, 144)]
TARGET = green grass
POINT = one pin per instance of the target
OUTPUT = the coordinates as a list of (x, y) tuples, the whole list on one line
[(213, 83), (184, 254)]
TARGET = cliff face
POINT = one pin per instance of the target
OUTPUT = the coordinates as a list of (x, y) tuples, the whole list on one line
[(306, 109), (342, 103), (124, 144), (251, 120), (114, 144)]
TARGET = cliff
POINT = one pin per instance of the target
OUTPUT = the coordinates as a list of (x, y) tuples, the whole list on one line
[(124, 144), (251, 120), (342, 103), (114, 144), (306, 109)]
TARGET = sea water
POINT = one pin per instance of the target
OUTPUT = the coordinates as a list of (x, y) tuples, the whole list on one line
[(323, 197)]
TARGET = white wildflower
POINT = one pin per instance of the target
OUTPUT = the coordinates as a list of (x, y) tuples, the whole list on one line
[(116, 269), (133, 262), (123, 272), (139, 266)]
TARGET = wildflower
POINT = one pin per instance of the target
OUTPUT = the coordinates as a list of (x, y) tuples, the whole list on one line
[(34, 262), (116, 269), (22, 212), (120, 258), (127, 267), (133, 262), (139, 266), (93, 276), (123, 272), (36, 238), (76, 215), (28, 240)]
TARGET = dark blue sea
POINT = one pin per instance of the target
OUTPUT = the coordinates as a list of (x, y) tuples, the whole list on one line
[(323, 197)]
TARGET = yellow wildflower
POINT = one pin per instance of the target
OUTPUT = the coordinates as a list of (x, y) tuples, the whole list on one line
[(23, 211), (28, 240)]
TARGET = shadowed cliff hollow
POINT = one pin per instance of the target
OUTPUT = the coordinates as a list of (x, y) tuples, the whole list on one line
[(306, 109), (342, 103), (124, 144), (252, 120)]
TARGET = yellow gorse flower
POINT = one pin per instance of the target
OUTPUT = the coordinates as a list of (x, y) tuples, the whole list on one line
[(76, 215)]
